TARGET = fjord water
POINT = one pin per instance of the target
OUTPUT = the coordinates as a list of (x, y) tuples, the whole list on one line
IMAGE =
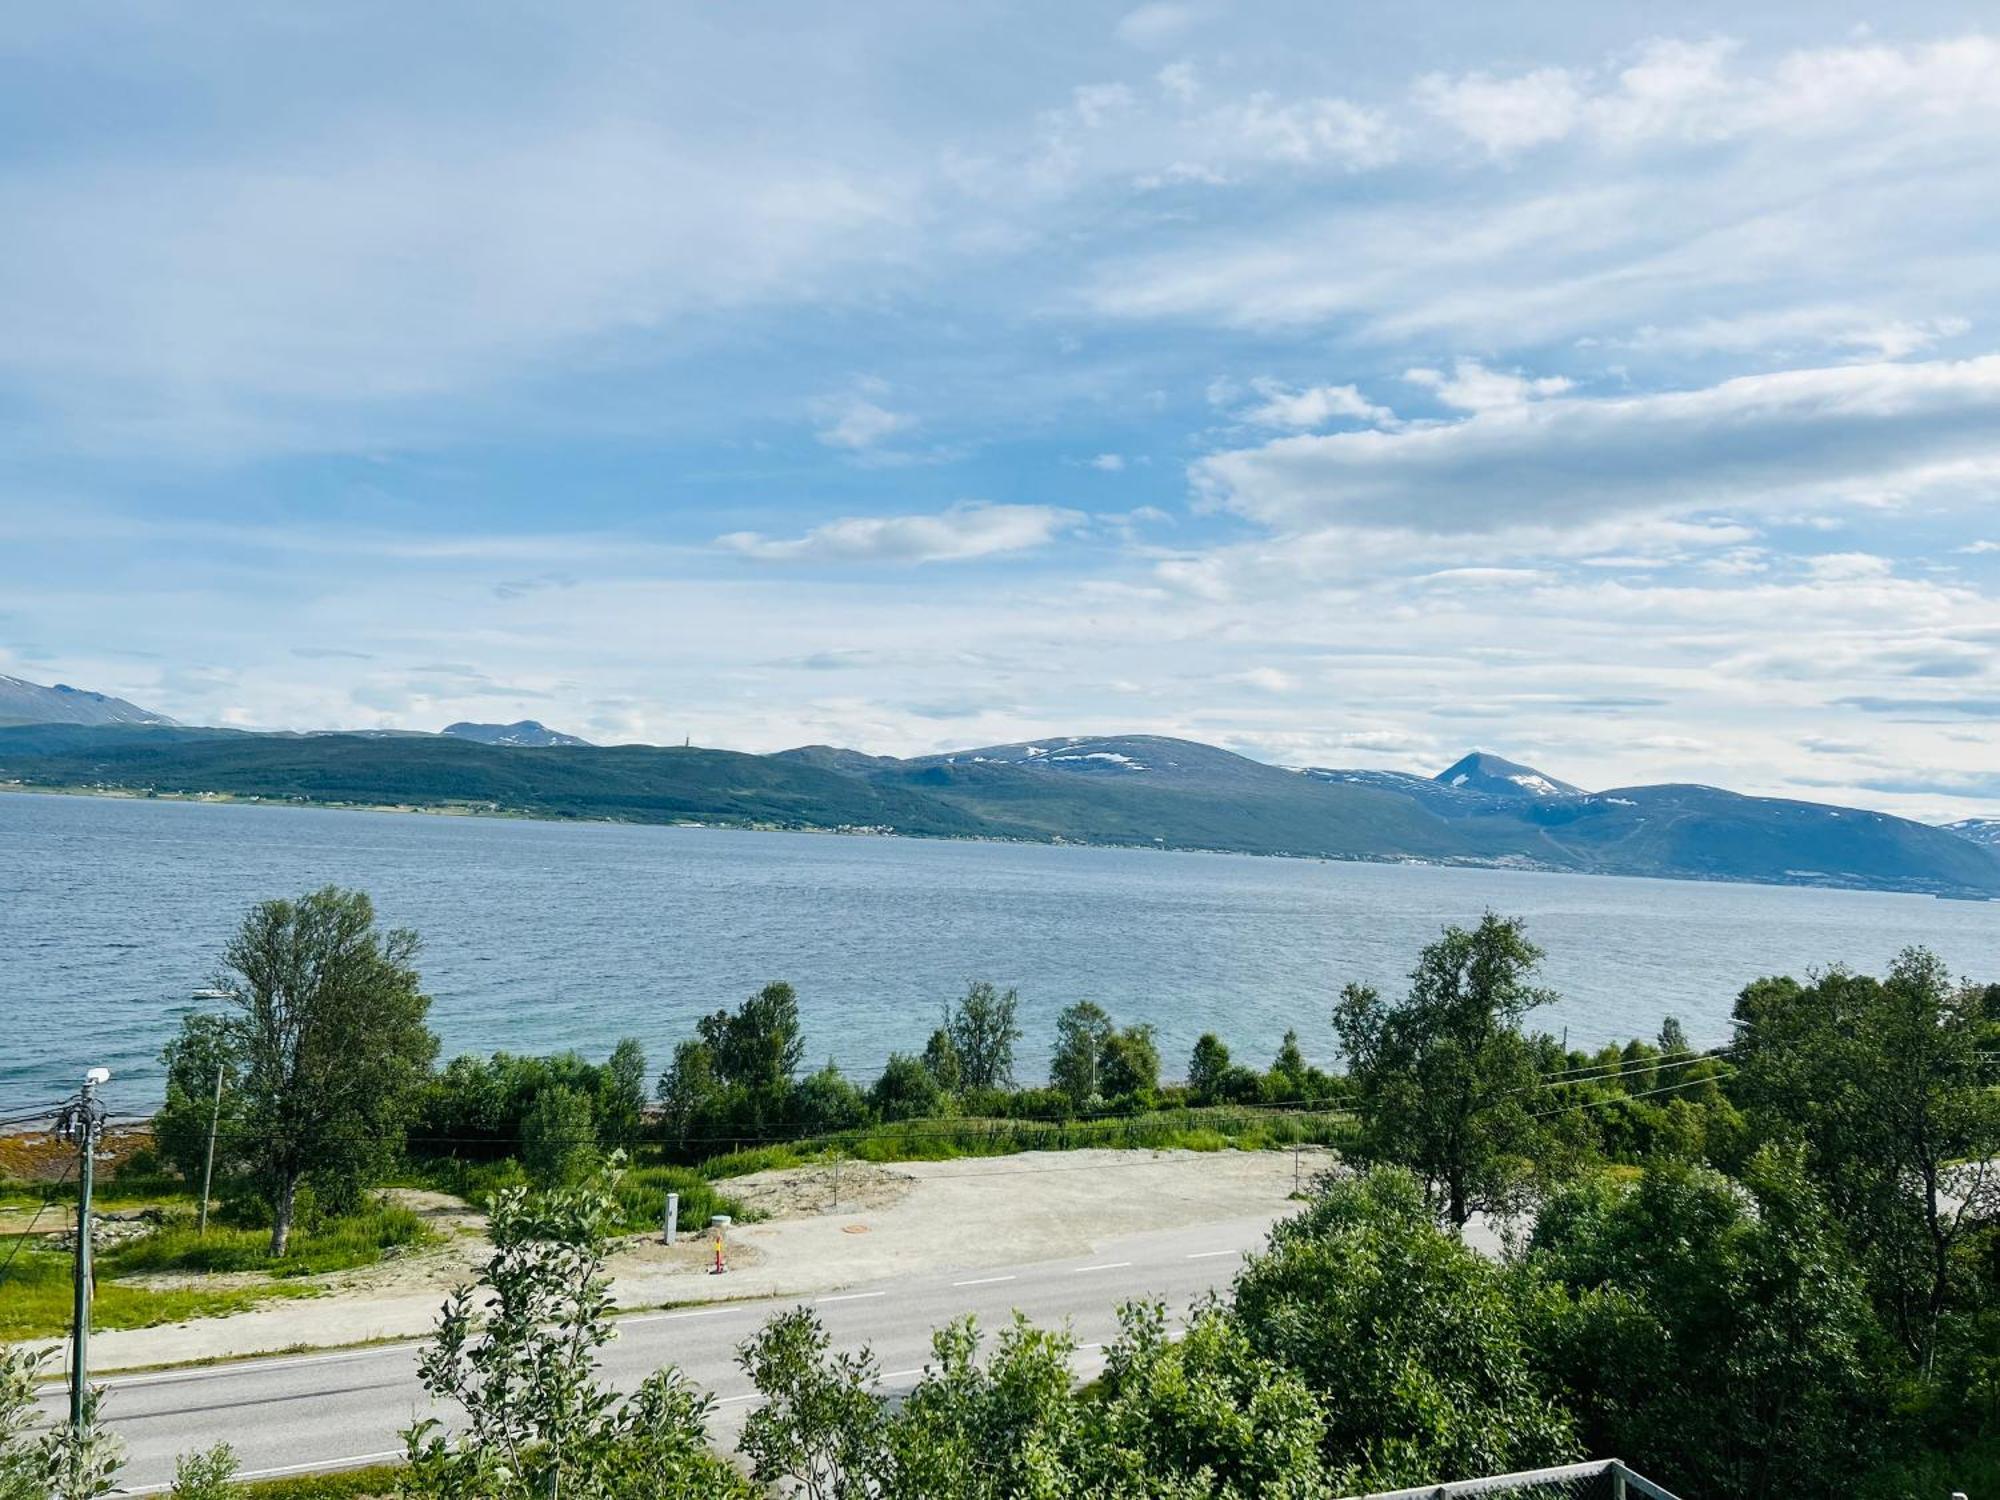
[(540, 936)]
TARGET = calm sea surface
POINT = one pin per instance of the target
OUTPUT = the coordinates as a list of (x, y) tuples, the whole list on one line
[(539, 936)]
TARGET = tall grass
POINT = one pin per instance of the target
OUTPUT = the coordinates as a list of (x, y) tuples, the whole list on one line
[(1210, 1129), (35, 1297), (357, 1239)]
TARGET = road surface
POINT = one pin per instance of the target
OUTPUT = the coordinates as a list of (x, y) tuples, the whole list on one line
[(288, 1415)]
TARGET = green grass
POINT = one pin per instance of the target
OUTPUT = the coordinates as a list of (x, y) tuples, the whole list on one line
[(642, 1191), (1216, 1129), (1973, 1469), (35, 1297), (357, 1239), (371, 1483)]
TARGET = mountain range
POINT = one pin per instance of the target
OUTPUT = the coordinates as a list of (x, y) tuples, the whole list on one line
[(23, 702), (1142, 790)]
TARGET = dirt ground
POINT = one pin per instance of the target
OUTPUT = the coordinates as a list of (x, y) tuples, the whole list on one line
[(907, 1219)]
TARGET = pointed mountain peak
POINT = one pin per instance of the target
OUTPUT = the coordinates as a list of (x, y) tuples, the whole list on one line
[(1497, 776)]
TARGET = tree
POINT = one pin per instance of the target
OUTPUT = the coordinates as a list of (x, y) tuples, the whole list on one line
[(1081, 1032), (941, 1057), (1202, 1409), (820, 1426), (983, 1032), (906, 1090), (1673, 1040), (523, 1365), (206, 1476), (827, 1102), (330, 1026), (1288, 1069), (58, 1462), (1130, 1063), (1206, 1065), (759, 1045), (1446, 1083), (688, 1089), (1416, 1346), (1883, 1086), (1716, 1334), (207, 1042), (558, 1140), (621, 1095)]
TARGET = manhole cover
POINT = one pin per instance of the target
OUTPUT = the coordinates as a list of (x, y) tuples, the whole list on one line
[(854, 1229)]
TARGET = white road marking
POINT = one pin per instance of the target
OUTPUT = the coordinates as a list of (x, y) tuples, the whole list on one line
[(850, 1296), (250, 1367), (1207, 1254), (668, 1317), (323, 1464), (983, 1280), (1109, 1265)]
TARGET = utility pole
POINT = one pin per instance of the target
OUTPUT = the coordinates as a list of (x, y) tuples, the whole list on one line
[(84, 1121), (208, 1166)]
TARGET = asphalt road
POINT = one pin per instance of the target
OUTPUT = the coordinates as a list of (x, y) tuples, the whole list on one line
[(289, 1415)]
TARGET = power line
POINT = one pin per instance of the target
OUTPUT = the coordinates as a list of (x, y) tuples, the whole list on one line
[(48, 1197), (1685, 1083)]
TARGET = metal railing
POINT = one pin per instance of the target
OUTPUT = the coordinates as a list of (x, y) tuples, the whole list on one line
[(1602, 1479)]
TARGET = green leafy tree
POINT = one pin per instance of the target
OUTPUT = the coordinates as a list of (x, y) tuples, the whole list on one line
[(1446, 1083), (1081, 1032), (689, 1090), (1206, 1065), (523, 1361), (983, 1031), (1673, 1040), (827, 1101), (759, 1045), (1130, 1063), (819, 1431), (1715, 1334), (56, 1462), (1202, 1414), (1288, 1068), (206, 1044), (1883, 1086), (907, 1090), (558, 1140), (209, 1475), (621, 1095), (1417, 1347), (330, 1023), (941, 1057)]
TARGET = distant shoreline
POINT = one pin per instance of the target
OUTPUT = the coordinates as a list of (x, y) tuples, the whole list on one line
[(505, 814)]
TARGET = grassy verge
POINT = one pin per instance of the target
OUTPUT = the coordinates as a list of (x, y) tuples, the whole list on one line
[(947, 1140), (35, 1298), (642, 1191), (371, 1483), (358, 1239)]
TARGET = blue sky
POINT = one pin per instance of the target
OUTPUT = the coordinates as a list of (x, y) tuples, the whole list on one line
[(1614, 387)]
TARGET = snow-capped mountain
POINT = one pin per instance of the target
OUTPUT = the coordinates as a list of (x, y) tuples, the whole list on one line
[(1979, 830), (1497, 776), (525, 732), (23, 702)]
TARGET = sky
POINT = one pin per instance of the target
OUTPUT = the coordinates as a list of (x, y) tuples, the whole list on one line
[(1614, 387)]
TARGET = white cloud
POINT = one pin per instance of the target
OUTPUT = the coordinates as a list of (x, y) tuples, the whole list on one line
[(1979, 547), (1108, 463), (1159, 24), (962, 533), (1309, 132), (1688, 91), (1312, 407), (1473, 387), (1869, 434), (856, 423), (1837, 566), (1506, 114), (1179, 80), (1871, 335)]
